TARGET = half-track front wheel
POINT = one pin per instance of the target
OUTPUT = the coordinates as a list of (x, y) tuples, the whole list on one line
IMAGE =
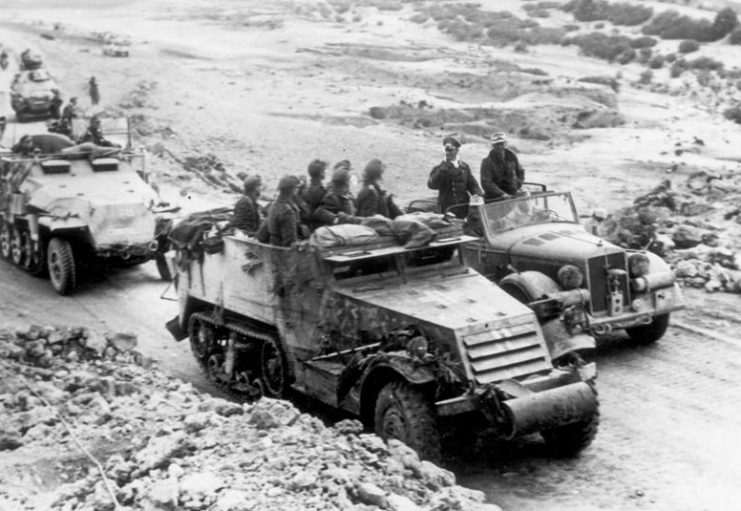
[(568, 441), (5, 234), (404, 413), (647, 334), (20, 247), (61, 263)]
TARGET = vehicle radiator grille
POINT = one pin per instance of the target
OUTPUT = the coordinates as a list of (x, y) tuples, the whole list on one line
[(598, 267), (504, 353)]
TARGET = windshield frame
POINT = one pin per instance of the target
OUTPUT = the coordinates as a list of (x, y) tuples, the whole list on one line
[(488, 223)]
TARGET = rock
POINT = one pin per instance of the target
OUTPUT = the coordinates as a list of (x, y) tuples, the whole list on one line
[(685, 269), (195, 422), (95, 342), (369, 493), (233, 500), (122, 341), (262, 419), (404, 455), (10, 440), (456, 497), (164, 494), (348, 427), (160, 450), (686, 237), (402, 503), (198, 485), (101, 500), (35, 349), (373, 443), (434, 476), (303, 480)]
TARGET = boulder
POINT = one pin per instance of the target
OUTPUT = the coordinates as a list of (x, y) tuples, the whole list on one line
[(369, 493)]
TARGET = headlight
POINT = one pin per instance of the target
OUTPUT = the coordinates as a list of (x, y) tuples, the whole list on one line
[(638, 264), (570, 276)]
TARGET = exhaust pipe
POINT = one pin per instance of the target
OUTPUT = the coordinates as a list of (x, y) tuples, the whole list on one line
[(550, 408)]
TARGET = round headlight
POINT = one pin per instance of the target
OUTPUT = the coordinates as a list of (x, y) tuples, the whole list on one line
[(570, 276), (638, 264)]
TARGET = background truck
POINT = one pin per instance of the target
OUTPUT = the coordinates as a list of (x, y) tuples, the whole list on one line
[(406, 339), (64, 207)]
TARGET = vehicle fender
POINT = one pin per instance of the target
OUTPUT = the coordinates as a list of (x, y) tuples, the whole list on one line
[(62, 224), (656, 263), (534, 284), (381, 369)]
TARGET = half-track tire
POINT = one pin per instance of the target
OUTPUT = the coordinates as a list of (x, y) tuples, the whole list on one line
[(273, 369), (162, 268), (405, 413), (648, 334), (61, 263), (568, 441), (201, 335), (20, 247), (5, 235)]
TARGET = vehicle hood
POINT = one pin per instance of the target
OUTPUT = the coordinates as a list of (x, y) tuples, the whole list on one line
[(461, 302), (565, 241)]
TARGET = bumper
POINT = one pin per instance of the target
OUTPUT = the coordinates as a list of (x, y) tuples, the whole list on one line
[(120, 251), (644, 308), (544, 402)]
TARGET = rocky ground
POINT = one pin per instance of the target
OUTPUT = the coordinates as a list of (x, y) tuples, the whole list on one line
[(89, 424)]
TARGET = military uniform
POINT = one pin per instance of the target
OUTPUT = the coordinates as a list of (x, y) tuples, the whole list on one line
[(455, 186), (373, 200), (246, 215), (283, 222), (501, 175)]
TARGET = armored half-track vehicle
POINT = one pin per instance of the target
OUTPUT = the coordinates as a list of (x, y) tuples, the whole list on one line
[(535, 248), (406, 339), (64, 207), (31, 93)]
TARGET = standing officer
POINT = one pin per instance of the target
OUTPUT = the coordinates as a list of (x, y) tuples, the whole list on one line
[(453, 180)]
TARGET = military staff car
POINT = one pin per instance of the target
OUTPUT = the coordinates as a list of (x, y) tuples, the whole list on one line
[(406, 339), (535, 248)]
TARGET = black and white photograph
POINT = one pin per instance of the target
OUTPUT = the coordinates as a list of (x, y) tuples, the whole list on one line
[(358, 255)]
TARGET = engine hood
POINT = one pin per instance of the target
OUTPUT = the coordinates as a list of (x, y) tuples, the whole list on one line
[(561, 241), (460, 303)]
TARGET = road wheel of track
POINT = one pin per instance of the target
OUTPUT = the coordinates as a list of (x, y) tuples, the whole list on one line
[(404, 413), (5, 230), (20, 248), (215, 370), (162, 268), (202, 337), (273, 372), (568, 441), (61, 263), (647, 334)]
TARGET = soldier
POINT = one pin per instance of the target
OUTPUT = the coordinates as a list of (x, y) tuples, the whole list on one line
[(338, 201), (283, 216), (246, 213), (25, 146), (94, 92), (94, 135), (55, 105), (69, 113), (373, 199), (314, 194), (501, 172), (453, 180)]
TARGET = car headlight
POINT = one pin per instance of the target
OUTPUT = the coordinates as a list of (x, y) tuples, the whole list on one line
[(639, 265), (570, 277)]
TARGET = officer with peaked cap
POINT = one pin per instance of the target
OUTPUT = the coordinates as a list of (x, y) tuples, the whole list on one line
[(453, 180)]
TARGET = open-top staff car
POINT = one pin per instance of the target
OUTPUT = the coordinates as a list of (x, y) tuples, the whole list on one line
[(534, 247)]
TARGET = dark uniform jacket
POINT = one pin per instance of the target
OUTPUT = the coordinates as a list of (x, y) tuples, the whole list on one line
[(501, 175), (312, 197), (246, 215), (283, 222), (454, 185), (335, 202), (373, 200)]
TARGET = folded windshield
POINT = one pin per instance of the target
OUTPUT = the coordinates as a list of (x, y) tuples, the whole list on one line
[(530, 210)]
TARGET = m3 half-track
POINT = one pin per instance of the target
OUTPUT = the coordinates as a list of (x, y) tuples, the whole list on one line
[(535, 248), (63, 207), (406, 339)]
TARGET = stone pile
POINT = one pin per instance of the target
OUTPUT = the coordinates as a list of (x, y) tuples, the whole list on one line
[(695, 226), (164, 446)]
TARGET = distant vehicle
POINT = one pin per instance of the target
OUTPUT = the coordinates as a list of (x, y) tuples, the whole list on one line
[(116, 49), (535, 248), (66, 205), (30, 60), (31, 93), (406, 339)]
